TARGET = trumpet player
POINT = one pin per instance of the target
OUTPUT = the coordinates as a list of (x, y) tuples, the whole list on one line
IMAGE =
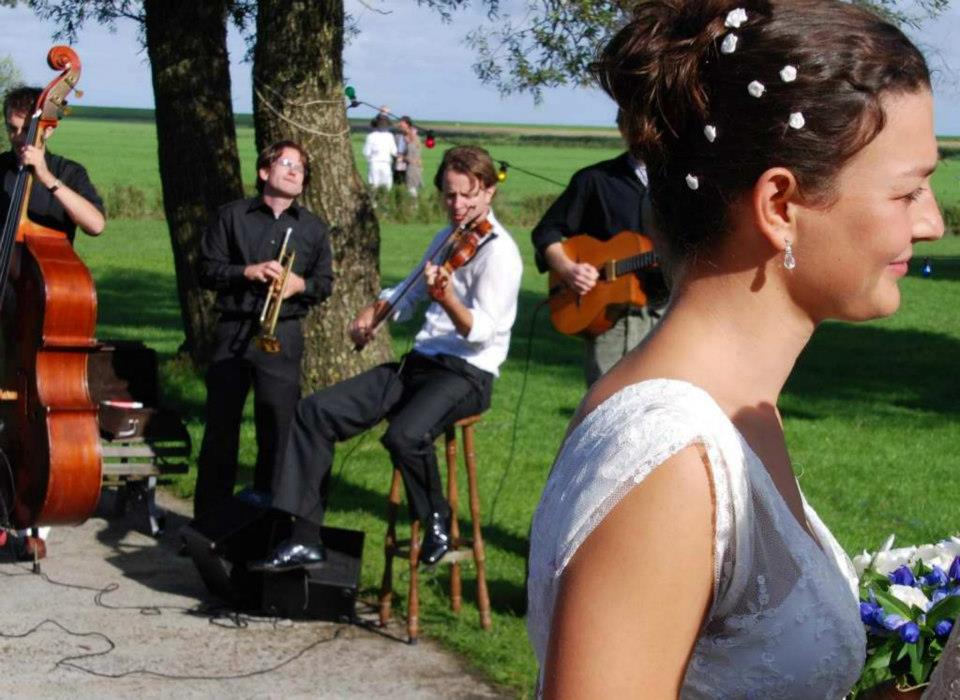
[(240, 262)]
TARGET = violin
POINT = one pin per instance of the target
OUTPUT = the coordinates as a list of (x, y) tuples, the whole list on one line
[(455, 251), (462, 251), (49, 431)]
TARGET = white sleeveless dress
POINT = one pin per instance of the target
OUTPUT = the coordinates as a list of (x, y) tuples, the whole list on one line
[(784, 622)]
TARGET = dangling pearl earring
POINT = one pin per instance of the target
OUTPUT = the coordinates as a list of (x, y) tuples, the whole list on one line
[(789, 262)]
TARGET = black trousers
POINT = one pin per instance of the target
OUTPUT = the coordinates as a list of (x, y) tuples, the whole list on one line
[(421, 396), (237, 365)]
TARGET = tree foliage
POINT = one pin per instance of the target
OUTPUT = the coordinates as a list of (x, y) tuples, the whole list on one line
[(529, 45), (10, 76), (196, 137)]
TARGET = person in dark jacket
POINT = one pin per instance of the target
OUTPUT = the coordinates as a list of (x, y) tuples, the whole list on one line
[(239, 260)]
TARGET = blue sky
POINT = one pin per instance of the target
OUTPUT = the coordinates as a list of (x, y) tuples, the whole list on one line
[(407, 59)]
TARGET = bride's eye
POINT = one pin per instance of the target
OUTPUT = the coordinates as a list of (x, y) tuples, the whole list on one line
[(915, 195)]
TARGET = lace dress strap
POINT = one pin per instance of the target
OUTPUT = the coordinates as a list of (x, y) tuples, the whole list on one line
[(615, 448)]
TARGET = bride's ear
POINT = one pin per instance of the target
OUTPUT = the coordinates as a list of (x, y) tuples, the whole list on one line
[(775, 207)]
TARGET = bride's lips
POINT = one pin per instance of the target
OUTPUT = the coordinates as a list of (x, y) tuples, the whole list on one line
[(900, 267)]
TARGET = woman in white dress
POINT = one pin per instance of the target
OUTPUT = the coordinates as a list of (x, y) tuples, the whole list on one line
[(789, 145)]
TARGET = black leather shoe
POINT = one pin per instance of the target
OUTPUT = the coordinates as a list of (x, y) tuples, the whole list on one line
[(436, 539), (288, 556)]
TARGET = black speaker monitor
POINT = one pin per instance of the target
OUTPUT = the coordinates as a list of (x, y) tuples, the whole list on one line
[(222, 544)]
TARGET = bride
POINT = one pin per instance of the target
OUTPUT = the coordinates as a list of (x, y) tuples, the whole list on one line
[(790, 146)]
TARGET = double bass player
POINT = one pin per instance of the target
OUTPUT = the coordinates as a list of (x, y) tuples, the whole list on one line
[(62, 198)]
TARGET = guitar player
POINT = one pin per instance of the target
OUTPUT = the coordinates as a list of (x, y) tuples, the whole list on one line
[(602, 200)]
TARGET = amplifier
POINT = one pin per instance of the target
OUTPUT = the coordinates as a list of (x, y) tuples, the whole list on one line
[(223, 543)]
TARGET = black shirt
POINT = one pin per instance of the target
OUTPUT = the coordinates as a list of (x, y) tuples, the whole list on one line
[(44, 208), (245, 232), (601, 200)]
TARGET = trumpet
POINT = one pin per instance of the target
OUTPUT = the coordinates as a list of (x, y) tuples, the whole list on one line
[(270, 313)]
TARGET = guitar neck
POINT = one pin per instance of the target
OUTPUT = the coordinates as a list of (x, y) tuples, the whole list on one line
[(635, 262)]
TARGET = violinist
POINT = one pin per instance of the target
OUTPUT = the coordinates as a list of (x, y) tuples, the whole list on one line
[(62, 197), (449, 374)]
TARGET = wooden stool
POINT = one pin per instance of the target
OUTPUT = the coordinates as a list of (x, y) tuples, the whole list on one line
[(460, 549)]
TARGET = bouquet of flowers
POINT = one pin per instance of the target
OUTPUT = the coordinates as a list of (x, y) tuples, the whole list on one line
[(909, 602)]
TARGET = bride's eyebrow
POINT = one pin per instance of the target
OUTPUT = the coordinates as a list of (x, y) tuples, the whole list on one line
[(919, 171)]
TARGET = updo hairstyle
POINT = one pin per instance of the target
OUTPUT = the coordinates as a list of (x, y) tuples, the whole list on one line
[(666, 71)]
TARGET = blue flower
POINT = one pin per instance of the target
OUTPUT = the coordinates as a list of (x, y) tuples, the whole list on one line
[(954, 572), (909, 632), (869, 613), (939, 595), (937, 577), (903, 576), (891, 622), (942, 630)]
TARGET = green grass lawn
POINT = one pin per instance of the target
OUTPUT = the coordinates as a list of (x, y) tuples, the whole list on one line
[(871, 412), (122, 154), (871, 415)]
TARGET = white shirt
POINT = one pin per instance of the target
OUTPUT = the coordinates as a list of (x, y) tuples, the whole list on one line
[(379, 147), (488, 286)]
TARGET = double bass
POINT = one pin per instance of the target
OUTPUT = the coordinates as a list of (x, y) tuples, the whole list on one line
[(49, 433)]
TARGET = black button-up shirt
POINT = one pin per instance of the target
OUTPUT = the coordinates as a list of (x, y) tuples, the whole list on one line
[(246, 232), (44, 208), (601, 200)]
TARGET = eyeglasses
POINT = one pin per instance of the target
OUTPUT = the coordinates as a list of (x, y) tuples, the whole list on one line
[(290, 165)]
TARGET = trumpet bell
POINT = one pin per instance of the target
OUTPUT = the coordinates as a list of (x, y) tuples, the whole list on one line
[(268, 343)]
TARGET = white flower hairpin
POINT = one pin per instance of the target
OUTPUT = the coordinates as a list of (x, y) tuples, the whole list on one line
[(693, 182), (788, 74), (710, 131), (735, 18), (797, 121), (756, 88), (729, 44)]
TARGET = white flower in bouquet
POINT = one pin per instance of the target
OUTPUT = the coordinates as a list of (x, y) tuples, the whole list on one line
[(910, 596), (940, 554), (909, 602), (885, 561)]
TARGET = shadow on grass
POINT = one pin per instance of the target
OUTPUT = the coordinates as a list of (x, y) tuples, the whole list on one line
[(348, 496), (138, 298), (903, 369)]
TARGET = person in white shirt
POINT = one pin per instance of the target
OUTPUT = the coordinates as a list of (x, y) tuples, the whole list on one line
[(448, 375), (379, 149)]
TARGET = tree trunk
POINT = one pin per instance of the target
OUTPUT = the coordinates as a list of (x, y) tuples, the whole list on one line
[(197, 142), (298, 95)]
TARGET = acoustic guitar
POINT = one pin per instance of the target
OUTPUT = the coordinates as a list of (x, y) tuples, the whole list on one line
[(617, 261)]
